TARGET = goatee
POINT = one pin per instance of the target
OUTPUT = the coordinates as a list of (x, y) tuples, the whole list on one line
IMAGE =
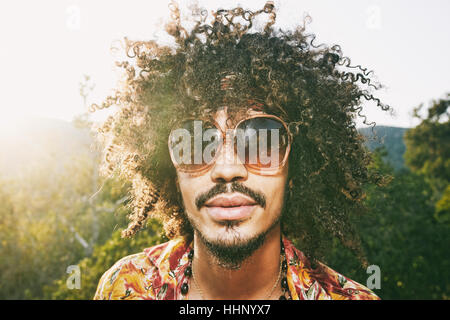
[(231, 254)]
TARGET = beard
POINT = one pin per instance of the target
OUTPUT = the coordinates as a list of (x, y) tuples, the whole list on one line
[(232, 249), (230, 254)]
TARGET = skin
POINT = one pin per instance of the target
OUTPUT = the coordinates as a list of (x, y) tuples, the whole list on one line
[(251, 280)]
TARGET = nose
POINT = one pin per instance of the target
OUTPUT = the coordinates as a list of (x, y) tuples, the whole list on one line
[(228, 167)]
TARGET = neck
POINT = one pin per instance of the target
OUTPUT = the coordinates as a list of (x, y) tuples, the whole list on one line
[(254, 280)]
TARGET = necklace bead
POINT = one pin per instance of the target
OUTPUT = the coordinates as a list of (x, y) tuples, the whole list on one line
[(188, 271), (284, 283), (184, 288)]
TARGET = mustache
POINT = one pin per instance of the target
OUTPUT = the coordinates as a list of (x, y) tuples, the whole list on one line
[(220, 188)]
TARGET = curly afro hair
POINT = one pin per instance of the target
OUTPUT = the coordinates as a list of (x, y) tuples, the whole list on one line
[(313, 85)]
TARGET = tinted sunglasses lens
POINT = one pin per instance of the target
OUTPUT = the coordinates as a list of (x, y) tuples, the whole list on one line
[(262, 142), (194, 144)]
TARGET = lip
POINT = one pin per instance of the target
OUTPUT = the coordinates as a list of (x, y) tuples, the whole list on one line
[(233, 207)]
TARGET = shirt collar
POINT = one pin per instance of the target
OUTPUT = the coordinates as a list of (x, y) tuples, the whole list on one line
[(171, 259)]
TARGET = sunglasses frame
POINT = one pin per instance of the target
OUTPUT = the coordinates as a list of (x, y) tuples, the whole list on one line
[(251, 167)]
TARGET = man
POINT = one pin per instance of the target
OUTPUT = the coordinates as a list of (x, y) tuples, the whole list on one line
[(241, 142)]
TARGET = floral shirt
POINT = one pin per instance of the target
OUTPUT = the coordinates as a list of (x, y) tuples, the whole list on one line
[(157, 273)]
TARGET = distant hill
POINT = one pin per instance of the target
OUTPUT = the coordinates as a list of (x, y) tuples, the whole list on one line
[(389, 137), (34, 140)]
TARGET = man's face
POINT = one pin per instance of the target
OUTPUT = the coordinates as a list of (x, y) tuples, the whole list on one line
[(228, 205)]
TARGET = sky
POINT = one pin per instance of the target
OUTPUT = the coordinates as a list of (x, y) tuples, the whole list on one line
[(47, 46)]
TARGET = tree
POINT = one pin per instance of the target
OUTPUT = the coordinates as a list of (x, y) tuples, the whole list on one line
[(103, 257), (401, 236), (46, 223), (428, 151)]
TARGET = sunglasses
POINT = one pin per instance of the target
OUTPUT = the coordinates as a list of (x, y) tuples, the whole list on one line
[(261, 142)]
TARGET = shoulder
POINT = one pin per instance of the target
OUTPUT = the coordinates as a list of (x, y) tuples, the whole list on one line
[(134, 276), (320, 282), (126, 272), (339, 287)]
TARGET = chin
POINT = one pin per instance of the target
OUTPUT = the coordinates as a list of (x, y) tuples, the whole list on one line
[(226, 235), (231, 246)]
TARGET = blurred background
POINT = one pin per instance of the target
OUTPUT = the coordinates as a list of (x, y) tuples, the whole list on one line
[(60, 221)]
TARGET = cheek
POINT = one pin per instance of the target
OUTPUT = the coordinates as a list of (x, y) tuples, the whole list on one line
[(189, 188), (276, 196), (273, 187), (276, 188), (187, 194)]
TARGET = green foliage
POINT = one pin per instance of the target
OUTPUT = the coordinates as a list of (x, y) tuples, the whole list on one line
[(442, 212), (8, 247), (428, 146), (50, 221), (428, 153), (401, 236), (103, 257)]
